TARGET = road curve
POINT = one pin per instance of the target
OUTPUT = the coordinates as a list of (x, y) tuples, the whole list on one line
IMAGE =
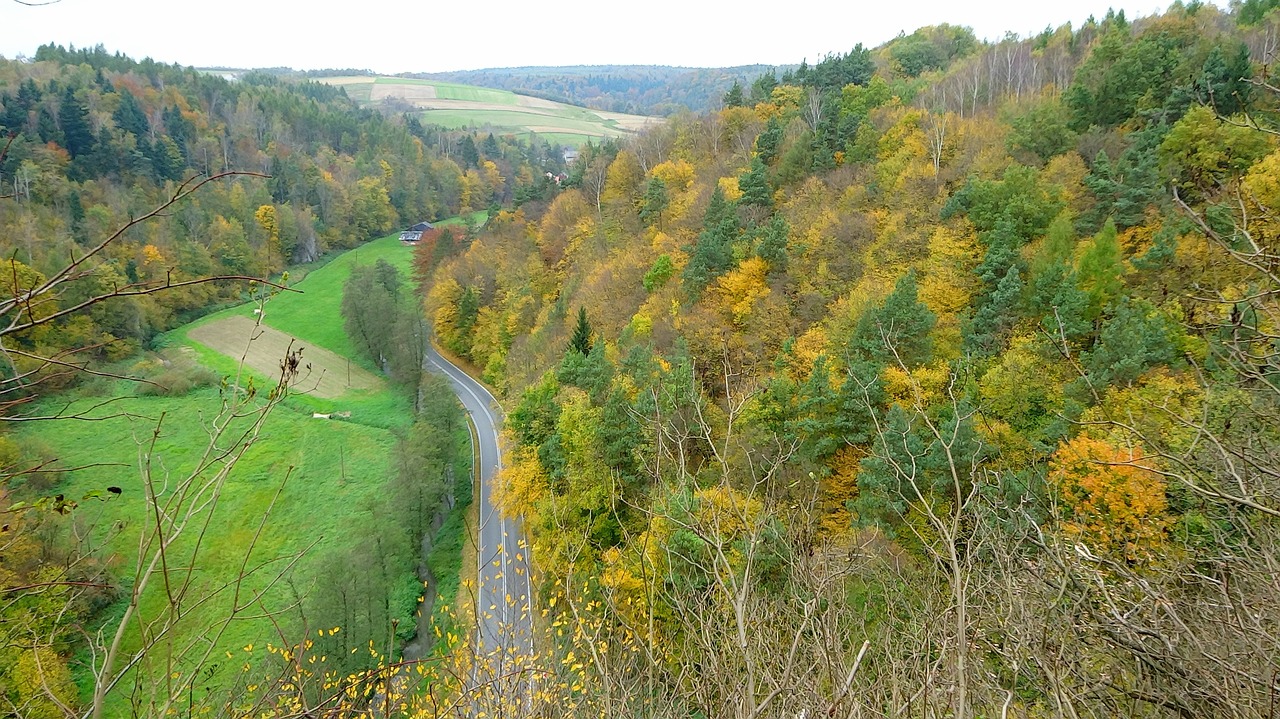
[(505, 624)]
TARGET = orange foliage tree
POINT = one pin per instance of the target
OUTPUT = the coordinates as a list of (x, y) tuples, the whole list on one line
[(1114, 497)]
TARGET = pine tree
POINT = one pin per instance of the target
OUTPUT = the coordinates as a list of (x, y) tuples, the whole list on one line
[(75, 125), (130, 117), (581, 341), (773, 244), (710, 256), (733, 98), (896, 331), (655, 201), (767, 142), (993, 320), (755, 185)]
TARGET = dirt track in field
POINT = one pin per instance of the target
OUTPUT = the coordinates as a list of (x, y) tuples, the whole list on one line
[(322, 373)]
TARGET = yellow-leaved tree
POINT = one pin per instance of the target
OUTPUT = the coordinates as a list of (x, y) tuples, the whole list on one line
[(1113, 497)]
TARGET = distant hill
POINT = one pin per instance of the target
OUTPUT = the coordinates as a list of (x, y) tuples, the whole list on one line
[(637, 89)]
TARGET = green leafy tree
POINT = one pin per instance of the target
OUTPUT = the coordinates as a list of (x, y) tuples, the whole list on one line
[(371, 212), (1019, 199), (659, 273), (1202, 151), (1042, 129), (1101, 270)]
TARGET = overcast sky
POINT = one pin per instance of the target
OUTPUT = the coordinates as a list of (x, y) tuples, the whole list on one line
[(435, 35)]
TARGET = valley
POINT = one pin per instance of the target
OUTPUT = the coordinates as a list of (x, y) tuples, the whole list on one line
[(935, 377)]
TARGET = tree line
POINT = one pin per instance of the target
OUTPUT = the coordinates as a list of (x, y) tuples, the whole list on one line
[(368, 599)]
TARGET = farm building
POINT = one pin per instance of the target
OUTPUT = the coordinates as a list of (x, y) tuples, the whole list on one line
[(414, 233)]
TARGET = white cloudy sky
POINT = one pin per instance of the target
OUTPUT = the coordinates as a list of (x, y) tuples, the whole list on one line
[(430, 35)]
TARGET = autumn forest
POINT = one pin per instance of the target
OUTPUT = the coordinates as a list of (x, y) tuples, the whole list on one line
[(934, 379)]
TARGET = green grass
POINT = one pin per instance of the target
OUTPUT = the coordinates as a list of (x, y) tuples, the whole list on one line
[(332, 474), (565, 124), (455, 91), (517, 122), (336, 472), (567, 139), (314, 312)]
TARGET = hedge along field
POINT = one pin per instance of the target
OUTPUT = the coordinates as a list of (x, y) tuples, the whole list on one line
[(332, 476)]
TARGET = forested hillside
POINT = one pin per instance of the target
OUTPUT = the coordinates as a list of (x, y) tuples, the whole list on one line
[(930, 380), (92, 140)]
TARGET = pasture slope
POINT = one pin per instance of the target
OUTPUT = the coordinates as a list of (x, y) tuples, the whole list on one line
[(318, 480), (501, 111)]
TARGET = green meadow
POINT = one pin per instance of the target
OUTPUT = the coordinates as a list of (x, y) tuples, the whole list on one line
[(304, 487)]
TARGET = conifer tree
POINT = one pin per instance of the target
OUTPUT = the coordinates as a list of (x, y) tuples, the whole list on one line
[(755, 185), (75, 124), (581, 340), (655, 201), (733, 97)]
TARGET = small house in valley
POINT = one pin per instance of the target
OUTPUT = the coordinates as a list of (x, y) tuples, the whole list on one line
[(414, 233)]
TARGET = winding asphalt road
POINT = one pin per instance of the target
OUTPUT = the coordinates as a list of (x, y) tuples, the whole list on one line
[(505, 631)]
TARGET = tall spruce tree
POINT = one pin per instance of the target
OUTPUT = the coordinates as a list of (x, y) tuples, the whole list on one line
[(581, 341)]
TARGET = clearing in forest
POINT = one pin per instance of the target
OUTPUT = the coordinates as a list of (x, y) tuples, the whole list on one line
[(322, 373)]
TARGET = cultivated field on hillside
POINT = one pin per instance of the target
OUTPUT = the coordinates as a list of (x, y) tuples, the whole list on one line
[(458, 106), (323, 373)]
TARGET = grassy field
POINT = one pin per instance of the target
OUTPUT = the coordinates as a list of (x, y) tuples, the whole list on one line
[(516, 122), (501, 111), (331, 475)]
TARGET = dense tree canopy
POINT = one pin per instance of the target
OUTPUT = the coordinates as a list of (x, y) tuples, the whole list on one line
[(940, 306)]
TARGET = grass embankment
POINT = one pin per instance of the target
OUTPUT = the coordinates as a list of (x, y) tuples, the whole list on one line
[(330, 475)]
